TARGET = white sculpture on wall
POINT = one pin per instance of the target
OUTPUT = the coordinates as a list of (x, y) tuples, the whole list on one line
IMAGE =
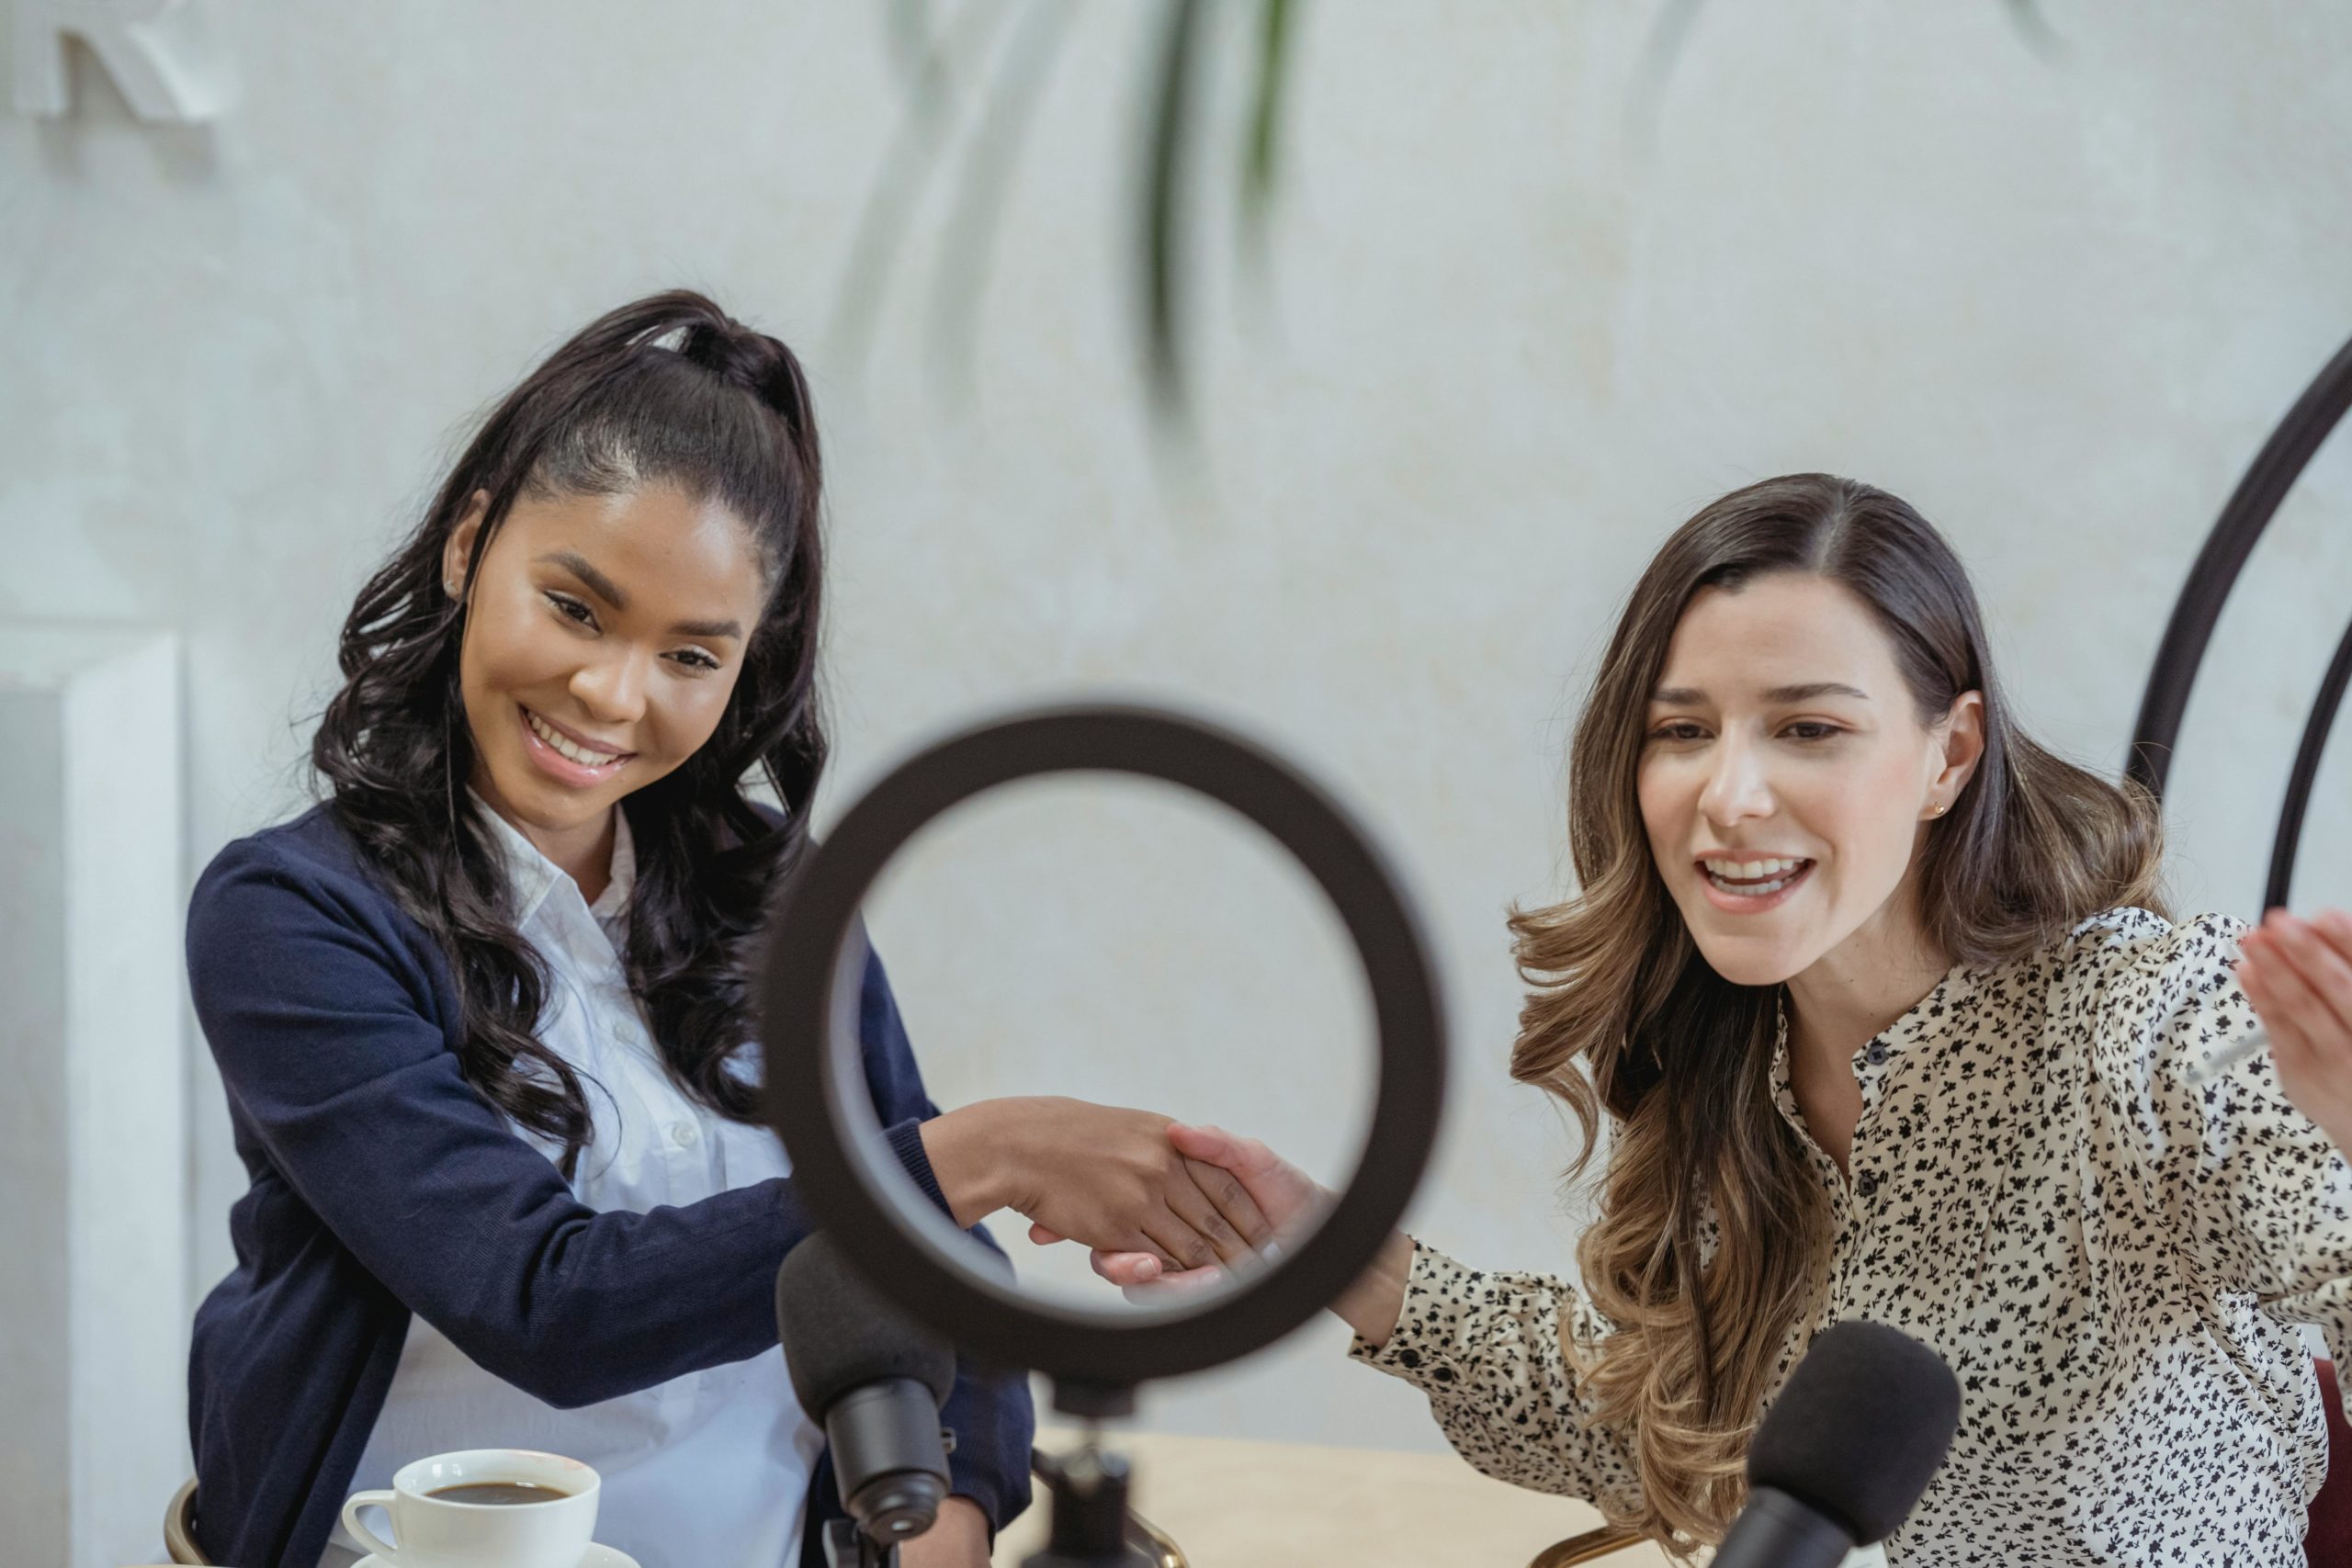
[(159, 53)]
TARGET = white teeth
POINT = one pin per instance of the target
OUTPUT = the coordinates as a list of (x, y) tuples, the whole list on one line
[(564, 746), (1748, 877), (1750, 870)]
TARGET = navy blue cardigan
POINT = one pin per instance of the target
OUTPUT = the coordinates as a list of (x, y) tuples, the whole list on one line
[(383, 1184)]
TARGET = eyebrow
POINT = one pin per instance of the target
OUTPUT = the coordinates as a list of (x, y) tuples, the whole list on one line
[(577, 564), (1690, 696), (707, 628), (612, 594)]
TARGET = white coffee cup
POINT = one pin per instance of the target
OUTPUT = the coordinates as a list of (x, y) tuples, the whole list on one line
[(442, 1532)]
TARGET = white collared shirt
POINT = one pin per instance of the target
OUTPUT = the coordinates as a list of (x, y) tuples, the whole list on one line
[(706, 1470)]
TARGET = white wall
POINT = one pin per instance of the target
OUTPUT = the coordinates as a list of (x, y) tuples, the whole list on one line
[(1496, 351), (93, 1146)]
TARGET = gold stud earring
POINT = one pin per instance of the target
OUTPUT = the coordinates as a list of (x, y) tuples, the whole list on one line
[(1940, 808)]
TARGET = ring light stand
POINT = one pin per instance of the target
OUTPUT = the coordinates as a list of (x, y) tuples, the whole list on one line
[(2251, 507)]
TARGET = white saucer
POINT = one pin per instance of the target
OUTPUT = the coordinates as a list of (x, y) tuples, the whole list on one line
[(598, 1557)]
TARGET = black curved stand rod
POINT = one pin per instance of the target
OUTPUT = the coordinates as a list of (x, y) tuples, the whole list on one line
[(2307, 761), (2256, 500)]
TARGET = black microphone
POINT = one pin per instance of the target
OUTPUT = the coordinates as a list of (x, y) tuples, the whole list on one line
[(1845, 1451), (876, 1380)]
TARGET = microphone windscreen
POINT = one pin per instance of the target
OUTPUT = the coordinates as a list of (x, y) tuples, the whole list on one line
[(840, 1333), (1860, 1428)]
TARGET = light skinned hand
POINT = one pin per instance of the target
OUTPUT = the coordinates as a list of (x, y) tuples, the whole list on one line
[(1101, 1175), (2297, 974), (1285, 1197)]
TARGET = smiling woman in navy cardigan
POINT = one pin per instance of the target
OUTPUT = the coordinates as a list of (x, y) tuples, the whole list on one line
[(483, 1017)]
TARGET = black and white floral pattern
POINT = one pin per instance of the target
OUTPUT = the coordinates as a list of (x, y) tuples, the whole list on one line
[(2111, 1259)]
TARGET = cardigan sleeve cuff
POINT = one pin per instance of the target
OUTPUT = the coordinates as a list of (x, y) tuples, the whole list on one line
[(906, 1142), (983, 1492)]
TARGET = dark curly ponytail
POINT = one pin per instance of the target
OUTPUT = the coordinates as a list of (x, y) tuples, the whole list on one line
[(669, 390)]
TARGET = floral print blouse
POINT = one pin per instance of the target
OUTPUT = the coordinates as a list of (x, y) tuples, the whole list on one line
[(2111, 1259)]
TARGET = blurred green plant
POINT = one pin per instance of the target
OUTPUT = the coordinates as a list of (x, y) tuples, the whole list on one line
[(1016, 44), (987, 63)]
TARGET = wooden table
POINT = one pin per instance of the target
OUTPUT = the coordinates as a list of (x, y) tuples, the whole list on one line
[(1232, 1504)]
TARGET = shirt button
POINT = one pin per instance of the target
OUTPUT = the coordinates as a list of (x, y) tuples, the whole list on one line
[(685, 1135), (1867, 1183)]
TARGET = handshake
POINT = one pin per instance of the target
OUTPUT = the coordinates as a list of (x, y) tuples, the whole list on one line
[(1163, 1206)]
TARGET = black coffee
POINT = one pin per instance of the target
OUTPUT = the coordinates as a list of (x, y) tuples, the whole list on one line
[(498, 1492)]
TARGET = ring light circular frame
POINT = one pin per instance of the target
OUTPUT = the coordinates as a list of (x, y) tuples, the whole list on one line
[(817, 1101)]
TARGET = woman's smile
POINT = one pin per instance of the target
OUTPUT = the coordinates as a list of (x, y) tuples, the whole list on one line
[(564, 755), (1749, 885)]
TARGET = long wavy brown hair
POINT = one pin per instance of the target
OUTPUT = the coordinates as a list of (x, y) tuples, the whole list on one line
[(1710, 1242)]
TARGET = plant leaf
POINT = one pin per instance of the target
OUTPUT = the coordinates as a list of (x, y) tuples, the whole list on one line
[(1662, 50), (1258, 159), (909, 33), (967, 244), (2035, 28), (882, 222), (1163, 256)]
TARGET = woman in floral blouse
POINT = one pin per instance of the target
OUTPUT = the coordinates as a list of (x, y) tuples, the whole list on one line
[(1879, 1005)]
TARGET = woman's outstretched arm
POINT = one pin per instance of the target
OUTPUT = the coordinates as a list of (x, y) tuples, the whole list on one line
[(319, 1005), (1496, 1355)]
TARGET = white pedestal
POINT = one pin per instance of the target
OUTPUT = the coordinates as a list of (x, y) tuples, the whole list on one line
[(93, 1142)]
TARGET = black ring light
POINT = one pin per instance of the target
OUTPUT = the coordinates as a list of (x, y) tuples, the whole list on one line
[(817, 1099)]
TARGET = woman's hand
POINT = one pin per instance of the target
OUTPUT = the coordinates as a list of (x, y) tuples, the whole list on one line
[(2297, 973), (1291, 1202), (1284, 1195), (1097, 1174), (957, 1538)]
